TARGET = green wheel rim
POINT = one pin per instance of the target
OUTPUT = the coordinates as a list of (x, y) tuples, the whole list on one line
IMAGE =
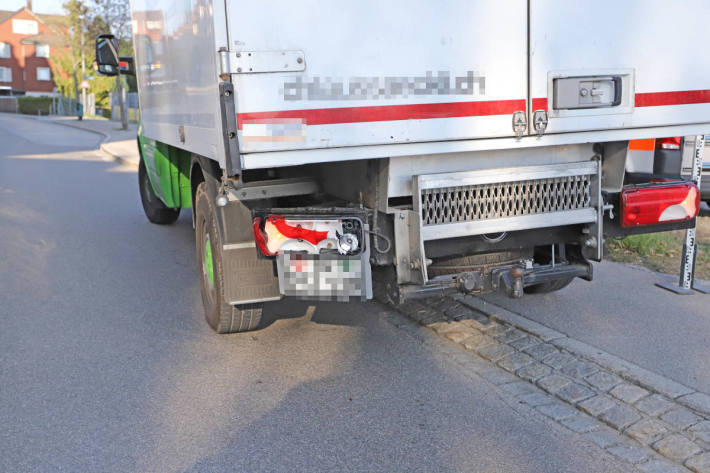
[(209, 268)]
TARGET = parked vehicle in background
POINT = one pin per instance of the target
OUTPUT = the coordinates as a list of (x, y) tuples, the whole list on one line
[(411, 148)]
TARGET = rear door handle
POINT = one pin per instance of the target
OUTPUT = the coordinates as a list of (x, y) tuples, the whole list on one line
[(573, 93)]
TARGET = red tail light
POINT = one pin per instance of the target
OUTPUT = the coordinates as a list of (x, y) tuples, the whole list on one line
[(672, 142), (290, 231), (276, 233), (659, 204), (260, 237)]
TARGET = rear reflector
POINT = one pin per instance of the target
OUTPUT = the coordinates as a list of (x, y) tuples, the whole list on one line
[(672, 142), (662, 203), (642, 145)]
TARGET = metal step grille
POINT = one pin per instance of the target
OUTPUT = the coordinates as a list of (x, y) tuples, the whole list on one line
[(508, 199)]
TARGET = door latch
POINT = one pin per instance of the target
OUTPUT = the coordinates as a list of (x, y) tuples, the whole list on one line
[(520, 124), (571, 93)]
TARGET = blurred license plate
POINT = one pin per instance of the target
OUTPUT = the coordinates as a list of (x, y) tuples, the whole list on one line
[(323, 277)]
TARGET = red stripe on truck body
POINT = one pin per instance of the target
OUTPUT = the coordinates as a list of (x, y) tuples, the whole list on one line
[(683, 97), (381, 113)]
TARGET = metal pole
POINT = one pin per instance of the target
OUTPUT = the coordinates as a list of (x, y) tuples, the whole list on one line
[(121, 102), (696, 176), (686, 283), (76, 94)]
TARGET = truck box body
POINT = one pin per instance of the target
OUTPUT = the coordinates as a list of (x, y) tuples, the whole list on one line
[(421, 77), (470, 145)]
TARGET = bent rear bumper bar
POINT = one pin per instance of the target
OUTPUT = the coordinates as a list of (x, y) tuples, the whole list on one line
[(510, 278)]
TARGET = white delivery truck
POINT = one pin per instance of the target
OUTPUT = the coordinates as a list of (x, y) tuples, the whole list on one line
[(411, 148)]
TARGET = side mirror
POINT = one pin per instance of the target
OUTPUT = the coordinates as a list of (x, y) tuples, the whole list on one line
[(107, 62)]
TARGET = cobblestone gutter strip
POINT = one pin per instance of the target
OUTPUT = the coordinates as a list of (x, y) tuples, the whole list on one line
[(653, 422)]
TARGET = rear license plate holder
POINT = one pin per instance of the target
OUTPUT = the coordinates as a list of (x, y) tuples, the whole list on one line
[(324, 276)]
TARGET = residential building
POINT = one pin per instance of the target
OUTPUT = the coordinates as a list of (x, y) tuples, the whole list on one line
[(27, 42)]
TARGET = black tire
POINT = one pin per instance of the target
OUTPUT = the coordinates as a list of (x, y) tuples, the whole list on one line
[(222, 317), (550, 286), (154, 208), (462, 264)]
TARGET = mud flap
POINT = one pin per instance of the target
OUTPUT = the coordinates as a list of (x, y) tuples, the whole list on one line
[(247, 278)]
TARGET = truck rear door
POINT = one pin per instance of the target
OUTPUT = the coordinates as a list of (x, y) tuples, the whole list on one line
[(314, 74), (607, 64)]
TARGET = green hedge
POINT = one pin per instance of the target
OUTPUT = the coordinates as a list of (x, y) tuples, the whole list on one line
[(103, 112), (32, 105)]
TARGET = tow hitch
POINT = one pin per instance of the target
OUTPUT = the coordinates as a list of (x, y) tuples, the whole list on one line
[(512, 279)]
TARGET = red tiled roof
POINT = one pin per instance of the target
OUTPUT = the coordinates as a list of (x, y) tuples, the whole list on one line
[(5, 14), (55, 22)]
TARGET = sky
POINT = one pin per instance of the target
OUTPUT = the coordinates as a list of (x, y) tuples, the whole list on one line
[(39, 6)]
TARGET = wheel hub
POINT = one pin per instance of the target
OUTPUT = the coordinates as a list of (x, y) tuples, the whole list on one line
[(208, 265)]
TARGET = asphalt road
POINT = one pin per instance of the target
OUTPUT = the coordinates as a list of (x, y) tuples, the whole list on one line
[(106, 363)]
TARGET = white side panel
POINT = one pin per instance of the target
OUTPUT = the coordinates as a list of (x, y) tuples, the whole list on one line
[(175, 49), (367, 62), (657, 46)]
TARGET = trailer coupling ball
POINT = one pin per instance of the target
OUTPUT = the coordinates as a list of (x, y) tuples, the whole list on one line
[(517, 273)]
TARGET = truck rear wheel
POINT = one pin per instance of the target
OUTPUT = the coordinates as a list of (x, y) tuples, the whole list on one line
[(154, 208), (222, 317)]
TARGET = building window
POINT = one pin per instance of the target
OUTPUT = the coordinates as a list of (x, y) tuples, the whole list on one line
[(4, 50), (43, 73), (24, 27), (42, 50), (5, 74)]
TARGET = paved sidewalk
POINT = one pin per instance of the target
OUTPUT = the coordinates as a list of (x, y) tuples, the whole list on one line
[(118, 144)]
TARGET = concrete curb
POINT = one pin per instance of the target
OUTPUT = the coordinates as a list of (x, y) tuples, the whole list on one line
[(102, 146), (117, 157), (627, 370)]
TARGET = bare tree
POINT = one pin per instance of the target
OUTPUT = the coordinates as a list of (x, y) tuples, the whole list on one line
[(117, 15)]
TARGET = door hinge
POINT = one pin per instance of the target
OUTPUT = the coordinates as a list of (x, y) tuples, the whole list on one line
[(540, 121), (520, 124), (252, 62)]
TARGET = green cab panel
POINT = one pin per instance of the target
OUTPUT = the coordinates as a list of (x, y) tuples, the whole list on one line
[(169, 171)]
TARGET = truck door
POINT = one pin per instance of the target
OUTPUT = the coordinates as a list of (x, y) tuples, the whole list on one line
[(314, 74), (618, 64)]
